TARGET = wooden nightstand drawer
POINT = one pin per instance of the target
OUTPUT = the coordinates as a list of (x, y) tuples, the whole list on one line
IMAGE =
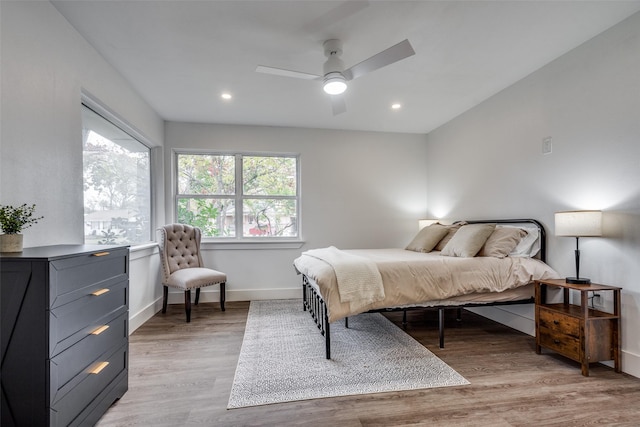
[(559, 322), (566, 345), (575, 329)]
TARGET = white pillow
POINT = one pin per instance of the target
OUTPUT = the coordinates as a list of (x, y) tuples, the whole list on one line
[(529, 246)]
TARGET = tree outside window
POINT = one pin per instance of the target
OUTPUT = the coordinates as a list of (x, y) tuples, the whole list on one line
[(213, 188), (117, 184)]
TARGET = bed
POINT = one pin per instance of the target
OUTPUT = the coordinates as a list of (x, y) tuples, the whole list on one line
[(468, 263)]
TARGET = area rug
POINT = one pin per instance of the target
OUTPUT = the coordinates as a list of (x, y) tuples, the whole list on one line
[(283, 358)]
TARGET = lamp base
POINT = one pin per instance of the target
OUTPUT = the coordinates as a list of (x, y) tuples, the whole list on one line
[(578, 280)]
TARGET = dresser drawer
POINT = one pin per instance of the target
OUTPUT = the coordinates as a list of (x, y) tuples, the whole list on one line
[(71, 322), (71, 362), (70, 276), (76, 395), (566, 345), (92, 413), (559, 322)]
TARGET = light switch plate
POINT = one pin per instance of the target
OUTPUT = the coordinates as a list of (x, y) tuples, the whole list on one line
[(547, 145)]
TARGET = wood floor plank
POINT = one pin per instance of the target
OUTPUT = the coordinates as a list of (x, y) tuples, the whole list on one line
[(180, 374)]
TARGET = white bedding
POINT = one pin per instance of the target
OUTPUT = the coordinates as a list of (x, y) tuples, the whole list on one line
[(415, 278)]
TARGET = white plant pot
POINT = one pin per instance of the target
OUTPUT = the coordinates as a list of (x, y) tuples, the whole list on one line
[(10, 242)]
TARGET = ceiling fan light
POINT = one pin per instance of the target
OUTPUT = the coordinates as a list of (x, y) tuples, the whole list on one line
[(334, 84)]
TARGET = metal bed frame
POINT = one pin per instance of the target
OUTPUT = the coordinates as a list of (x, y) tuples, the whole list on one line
[(313, 302)]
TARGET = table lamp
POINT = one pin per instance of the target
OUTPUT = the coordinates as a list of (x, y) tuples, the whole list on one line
[(578, 224), (422, 223)]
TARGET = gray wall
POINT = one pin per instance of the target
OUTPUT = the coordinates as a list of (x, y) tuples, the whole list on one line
[(488, 163)]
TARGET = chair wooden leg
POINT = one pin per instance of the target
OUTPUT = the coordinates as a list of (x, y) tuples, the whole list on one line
[(222, 295), (165, 295), (197, 296), (187, 304)]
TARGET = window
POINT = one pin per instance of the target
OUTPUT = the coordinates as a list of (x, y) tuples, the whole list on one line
[(213, 188), (117, 183)]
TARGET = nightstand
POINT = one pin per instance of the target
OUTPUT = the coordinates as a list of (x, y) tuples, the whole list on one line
[(578, 332)]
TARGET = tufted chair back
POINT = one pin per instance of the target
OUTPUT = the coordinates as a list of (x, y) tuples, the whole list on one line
[(179, 248)]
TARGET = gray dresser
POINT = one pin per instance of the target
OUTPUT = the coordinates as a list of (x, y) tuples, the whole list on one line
[(64, 333)]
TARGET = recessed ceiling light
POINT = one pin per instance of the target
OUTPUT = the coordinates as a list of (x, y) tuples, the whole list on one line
[(226, 95), (396, 106)]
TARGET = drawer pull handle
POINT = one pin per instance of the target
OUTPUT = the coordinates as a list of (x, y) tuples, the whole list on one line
[(98, 368), (556, 341), (100, 330), (100, 254), (100, 292)]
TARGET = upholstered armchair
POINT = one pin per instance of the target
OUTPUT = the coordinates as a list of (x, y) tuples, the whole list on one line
[(182, 265)]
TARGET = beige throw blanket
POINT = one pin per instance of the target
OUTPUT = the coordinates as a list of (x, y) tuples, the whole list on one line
[(359, 281)]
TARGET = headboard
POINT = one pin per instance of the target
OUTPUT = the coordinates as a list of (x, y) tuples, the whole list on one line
[(542, 254)]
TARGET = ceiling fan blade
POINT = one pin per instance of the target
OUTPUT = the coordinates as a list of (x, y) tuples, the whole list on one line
[(286, 73), (388, 56), (338, 104)]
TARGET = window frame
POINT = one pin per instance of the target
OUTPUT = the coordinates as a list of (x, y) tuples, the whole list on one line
[(89, 101), (239, 241)]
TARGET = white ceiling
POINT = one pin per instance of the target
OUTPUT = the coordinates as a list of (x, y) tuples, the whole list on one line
[(181, 55)]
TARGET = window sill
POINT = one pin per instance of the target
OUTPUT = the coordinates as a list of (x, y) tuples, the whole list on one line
[(142, 251), (251, 244)]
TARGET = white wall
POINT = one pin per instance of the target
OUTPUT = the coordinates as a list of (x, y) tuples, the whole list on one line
[(488, 163), (359, 190), (45, 65)]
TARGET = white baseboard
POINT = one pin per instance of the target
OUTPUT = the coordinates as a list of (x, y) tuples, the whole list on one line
[(519, 322), (631, 363), (138, 319), (508, 315), (213, 295)]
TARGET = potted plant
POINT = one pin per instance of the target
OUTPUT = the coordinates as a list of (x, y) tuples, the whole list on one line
[(12, 222)]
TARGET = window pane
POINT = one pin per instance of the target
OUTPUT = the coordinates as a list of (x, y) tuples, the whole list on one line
[(270, 217), (208, 194), (117, 184), (215, 217), (269, 176), (206, 175)]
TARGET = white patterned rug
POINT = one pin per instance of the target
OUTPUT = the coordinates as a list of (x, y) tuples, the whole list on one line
[(283, 358)]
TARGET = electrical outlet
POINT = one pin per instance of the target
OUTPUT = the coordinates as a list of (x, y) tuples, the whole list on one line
[(547, 145), (597, 300)]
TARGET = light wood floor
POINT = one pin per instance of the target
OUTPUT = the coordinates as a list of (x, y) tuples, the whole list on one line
[(180, 374)]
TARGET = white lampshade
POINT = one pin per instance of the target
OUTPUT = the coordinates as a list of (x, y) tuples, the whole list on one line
[(579, 223), (422, 223)]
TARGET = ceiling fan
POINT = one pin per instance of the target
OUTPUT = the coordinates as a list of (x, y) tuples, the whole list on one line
[(334, 75)]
